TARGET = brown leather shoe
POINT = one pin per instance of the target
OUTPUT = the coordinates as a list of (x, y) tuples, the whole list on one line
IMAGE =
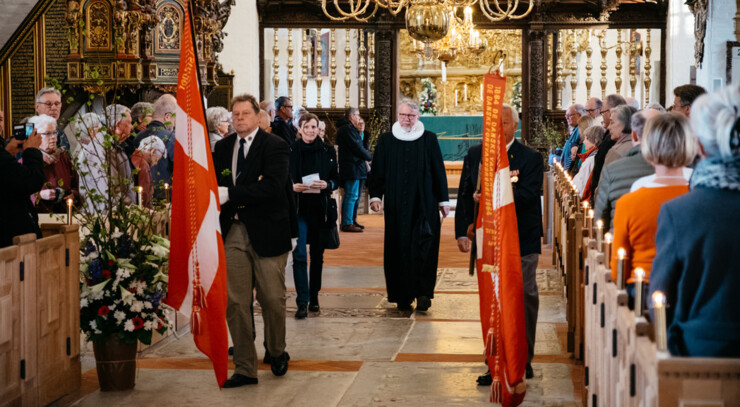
[(351, 228)]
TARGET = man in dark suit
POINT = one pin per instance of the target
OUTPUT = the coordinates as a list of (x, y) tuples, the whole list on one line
[(353, 157), (526, 169), (256, 223), (19, 182), (283, 126)]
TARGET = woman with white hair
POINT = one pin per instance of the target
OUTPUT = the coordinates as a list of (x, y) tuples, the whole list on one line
[(62, 182), (217, 119), (697, 262), (93, 177), (150, 151)]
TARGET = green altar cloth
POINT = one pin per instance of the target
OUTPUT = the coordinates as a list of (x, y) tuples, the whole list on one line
[(457, 133)]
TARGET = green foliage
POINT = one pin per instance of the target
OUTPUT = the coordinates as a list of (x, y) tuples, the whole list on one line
[(378, 124)]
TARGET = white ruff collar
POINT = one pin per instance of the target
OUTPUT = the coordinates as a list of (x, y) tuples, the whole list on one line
[(403, 135)]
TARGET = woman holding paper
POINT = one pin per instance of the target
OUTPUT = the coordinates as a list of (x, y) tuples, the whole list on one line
[(313, 170)]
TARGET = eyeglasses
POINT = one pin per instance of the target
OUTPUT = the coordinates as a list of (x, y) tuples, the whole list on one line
[(604, 111), (407, 115), (50, 104), (591, 110), (289, 107)]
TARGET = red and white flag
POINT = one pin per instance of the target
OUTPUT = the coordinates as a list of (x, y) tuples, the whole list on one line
[(499, 261), (197, 280)]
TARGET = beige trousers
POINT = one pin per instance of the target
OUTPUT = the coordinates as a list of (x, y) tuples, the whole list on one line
[(245, 269)]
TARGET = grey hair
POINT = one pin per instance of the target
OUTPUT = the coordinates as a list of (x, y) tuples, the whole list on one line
[(624, 113), (514, 113), (410, 103), (140, 110), (614, 100), (85, 123), (42, 120), (714, 117), (594, 134), (165, 104), (152, 143), (638, 123), (113, 113), (655, 106), (214, 116), (579, 109), (45, 91)]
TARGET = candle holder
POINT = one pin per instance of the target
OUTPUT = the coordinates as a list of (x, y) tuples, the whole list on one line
[(69, 211), (639, 277), (608, 250), (621, 254), (661, 336)]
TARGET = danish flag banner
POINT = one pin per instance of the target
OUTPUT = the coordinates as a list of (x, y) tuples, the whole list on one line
[(499, 262), (197, 280)]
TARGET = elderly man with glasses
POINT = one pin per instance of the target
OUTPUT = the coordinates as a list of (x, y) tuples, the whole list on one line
[(283, 126), (409, 172), (49, 102)]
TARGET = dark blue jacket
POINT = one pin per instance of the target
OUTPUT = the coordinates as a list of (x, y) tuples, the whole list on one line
[(697, 266), (528, 166), (162, 172), (352, 152), (284, 130)]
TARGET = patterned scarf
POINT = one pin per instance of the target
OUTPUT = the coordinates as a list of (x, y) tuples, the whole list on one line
[(717, 173)]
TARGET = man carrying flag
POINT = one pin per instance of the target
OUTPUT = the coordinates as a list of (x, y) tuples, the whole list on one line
[(197, 274), (511, 171)]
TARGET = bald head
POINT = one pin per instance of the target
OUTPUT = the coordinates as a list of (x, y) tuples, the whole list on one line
[(638, 123), (164, 110)]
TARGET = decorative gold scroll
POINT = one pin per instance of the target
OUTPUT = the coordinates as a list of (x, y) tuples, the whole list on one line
[(290, 63), (333, 67), (647, 79), (347, 67), (319, 78), (603, 50), (362, 78), (559, 70), (618, 67), (304, 65), (275, 63), (371, 58), (589, 65)]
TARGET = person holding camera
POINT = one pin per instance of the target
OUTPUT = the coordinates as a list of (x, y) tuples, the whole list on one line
[(62, 182), (18, 182)]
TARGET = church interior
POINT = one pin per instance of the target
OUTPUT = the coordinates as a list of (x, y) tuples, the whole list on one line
[(327, 56)]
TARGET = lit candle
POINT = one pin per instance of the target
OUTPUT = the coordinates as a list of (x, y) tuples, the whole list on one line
[(140, 198), (599, 233), (69, 211), (166, 192), (585, 207), (608, 249), (465, 91), (621, 254), (590, 223), (639, 277), (444, 72), (468, 14), (661, 340), (481, 92)]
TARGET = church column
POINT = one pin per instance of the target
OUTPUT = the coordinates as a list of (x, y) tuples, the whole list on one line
[(535, 65), (386, 73)]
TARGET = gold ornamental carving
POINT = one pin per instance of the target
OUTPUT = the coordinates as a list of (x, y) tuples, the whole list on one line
[(319, 67), (99, 26), (648, 66), (169, 29)]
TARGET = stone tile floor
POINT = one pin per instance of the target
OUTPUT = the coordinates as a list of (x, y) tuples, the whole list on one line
[(360, 351)]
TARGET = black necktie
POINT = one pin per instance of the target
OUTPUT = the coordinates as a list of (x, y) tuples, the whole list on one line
[(240, 159)]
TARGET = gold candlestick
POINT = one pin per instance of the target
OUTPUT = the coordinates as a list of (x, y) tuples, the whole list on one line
[(333, 66), (347, 67), (599, 233), (639, 277), (304, 65), (618, 67), (275, 63), (362, 79), (621, 254), (608, 250), (603, 50), (559, 71), (69, 211), (661, 334), (319, 78), (589, 66), (633, 63), (573, 67), (290, 64), (647, 79), (371, 64)]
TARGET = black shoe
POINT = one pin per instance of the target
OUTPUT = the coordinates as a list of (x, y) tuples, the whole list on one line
[(239, 380), (359, 226), (485, 379), (313, 306), (423, 303), (231, 351), (279, 364), (405, 306), (302, 312), (268, 359), (530, 373)]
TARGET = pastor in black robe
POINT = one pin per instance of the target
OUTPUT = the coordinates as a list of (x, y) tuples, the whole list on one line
[(410, 174)]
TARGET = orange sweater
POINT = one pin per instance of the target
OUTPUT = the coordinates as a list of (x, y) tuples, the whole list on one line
[(635, 225)]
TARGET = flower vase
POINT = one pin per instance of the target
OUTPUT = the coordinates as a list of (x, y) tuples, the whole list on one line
[(116, 364)]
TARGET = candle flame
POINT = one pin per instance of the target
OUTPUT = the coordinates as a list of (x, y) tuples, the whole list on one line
[(599, 224), (69, 202), (608, 237), (658, 299), (621, 253), (590, 213), (585, 205), (639, 274), (166, 186)]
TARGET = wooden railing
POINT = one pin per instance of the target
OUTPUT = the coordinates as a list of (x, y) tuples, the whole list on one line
[(622, 364), (40, 317)]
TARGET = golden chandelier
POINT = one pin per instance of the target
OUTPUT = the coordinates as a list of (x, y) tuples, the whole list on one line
[(363, 10), (462, 39)]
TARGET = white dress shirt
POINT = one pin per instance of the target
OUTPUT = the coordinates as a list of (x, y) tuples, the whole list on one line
[(223, 192)]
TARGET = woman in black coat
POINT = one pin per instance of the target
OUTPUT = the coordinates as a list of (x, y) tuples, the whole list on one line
[(313, 170)]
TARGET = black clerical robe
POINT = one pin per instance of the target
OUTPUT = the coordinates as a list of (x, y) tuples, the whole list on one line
[(411, 176)]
